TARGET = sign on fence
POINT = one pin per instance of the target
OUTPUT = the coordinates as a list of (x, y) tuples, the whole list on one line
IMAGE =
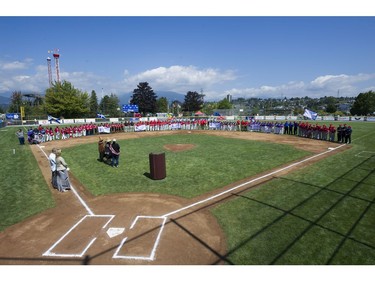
[(130, 108)]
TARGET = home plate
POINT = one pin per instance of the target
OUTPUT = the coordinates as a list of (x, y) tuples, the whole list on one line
[(114, 231)]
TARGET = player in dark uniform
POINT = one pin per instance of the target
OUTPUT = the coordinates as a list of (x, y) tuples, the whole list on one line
[(348, 135), (339, 133)]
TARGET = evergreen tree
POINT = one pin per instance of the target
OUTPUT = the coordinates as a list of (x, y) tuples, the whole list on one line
[(16, 102), (364, 104), (162, 104), (145, 98), (193, 101), (109, 105), (94, 107)]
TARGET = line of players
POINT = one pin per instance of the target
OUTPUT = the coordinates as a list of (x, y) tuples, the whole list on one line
[(340, 134), (301, 129)]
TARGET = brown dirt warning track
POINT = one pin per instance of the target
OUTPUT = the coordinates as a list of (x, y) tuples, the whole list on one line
[(134, 228)]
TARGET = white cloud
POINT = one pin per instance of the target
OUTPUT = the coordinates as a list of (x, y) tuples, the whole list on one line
[(326, 85), (349, 85), (268, 91), (215, 83), (15, 65), (179, 78)]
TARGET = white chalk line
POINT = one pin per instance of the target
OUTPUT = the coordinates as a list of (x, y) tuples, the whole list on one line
[(53, 254), (91, 214), (251, 181), (156, 243), (73, 189), (164, 217)]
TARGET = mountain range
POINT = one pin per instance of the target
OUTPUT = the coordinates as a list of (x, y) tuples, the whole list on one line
[(4, 100)]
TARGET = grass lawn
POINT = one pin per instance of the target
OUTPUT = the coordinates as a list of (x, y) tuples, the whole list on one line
[(213, 163), (322, 214), (23, 191)]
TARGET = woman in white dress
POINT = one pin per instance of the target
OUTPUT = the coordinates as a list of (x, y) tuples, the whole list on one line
[(63, 182)]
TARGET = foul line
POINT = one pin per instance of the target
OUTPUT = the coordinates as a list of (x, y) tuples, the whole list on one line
[(251, 181), (73, 189)]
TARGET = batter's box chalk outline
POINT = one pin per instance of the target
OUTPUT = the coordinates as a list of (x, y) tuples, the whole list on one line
[(50, 252), (365, 154), (151, 256)]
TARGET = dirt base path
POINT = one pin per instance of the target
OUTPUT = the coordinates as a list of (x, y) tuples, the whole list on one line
[(132, 228)]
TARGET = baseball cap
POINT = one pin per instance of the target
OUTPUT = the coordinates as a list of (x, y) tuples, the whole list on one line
[(114, 140)]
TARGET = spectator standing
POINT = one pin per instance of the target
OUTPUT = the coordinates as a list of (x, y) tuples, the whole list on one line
[(21, 136)]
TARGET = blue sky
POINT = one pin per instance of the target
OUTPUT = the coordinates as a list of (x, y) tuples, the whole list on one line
[(246, 56)]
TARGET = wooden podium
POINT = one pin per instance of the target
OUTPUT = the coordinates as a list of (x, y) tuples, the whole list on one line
[(157, 166)]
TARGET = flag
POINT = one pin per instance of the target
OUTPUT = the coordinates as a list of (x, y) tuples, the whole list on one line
[(53, 119), (99, 115), (310, 114)]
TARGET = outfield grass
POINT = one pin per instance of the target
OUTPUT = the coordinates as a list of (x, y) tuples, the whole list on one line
[(23, 192), (322, 214)]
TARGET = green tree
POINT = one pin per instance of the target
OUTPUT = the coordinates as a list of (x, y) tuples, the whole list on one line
[(331, 108), (224, 104), (364, 104), (176, 107), (162, 104), (110, 105), (145, 98), (15, 102), (193, 101), (3, 108), (93, 104), (63, 100), (329, 103), (209, 107)]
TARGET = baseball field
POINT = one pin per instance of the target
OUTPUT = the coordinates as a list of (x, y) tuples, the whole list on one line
[(228, 198)]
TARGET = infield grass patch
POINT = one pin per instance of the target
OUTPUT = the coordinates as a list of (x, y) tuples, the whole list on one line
[(213, 163)]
